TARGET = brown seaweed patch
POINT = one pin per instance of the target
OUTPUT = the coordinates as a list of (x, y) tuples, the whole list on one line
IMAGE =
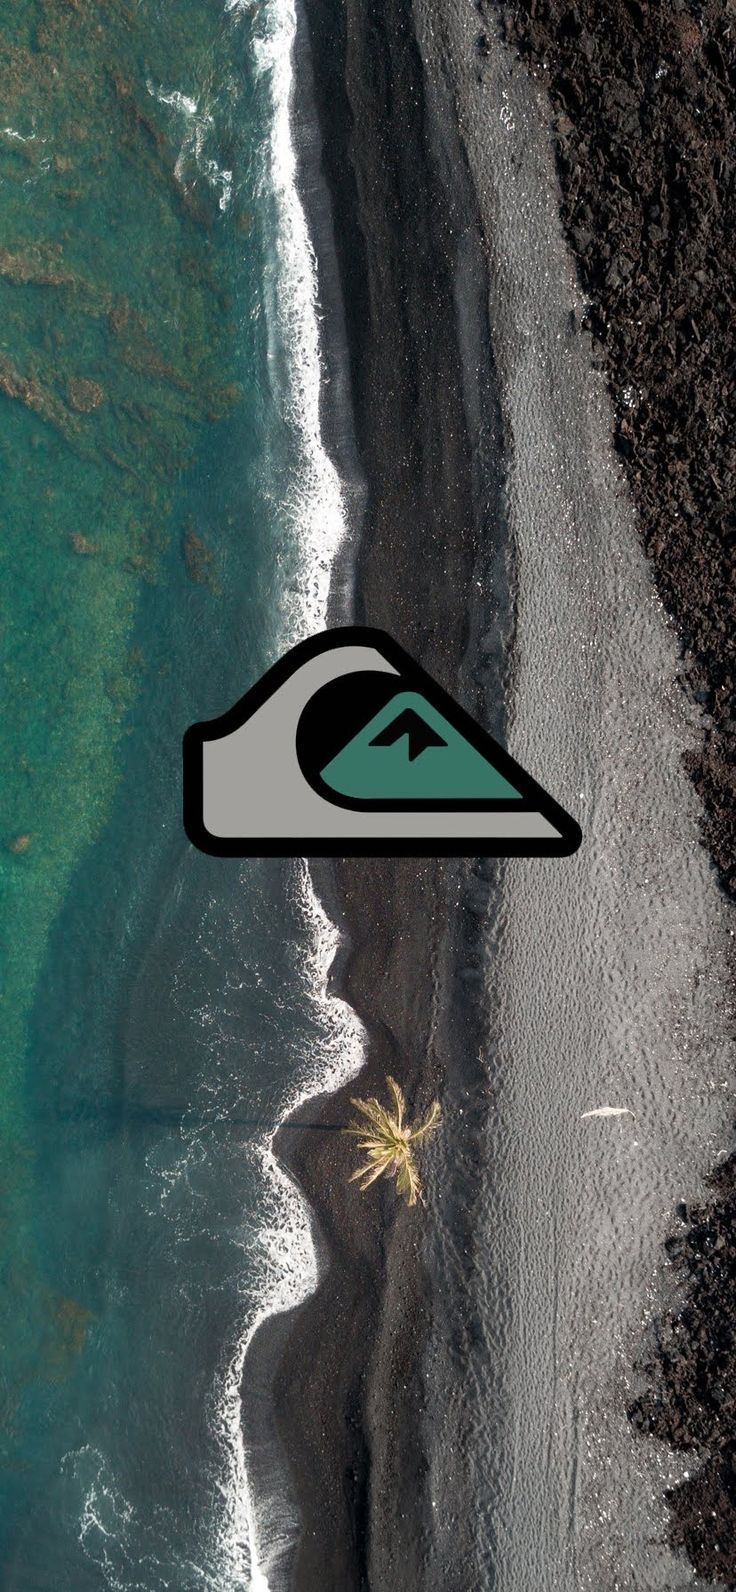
[(84, 395), (200, 561), (200, 210), (19, 68), (146, 360), (147, 541), (19, 844), (120, 316), (40, 264), (67, 1326), (221, 400), (142, 132), (120, 690), (82, 546), (139, 352), (139, 564), (136, 119), (75, 131), (127, 470), (29, 390)]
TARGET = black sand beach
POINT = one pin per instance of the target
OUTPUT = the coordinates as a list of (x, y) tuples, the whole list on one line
[(350, 1412), (349, 1389)]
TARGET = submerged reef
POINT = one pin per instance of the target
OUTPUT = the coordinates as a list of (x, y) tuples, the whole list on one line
[(117, 361)]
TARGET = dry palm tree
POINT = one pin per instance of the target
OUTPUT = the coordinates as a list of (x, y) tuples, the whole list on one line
[(389, 1142)]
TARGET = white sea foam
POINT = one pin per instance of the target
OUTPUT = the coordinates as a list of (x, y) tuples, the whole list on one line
[(314, 509), (286, 1259), (257, 1530), (177, 100), (198, 125), (282, 1265), (131, 1554), (22, 138)]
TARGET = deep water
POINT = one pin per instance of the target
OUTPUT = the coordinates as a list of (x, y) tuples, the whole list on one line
[(158, 1006)]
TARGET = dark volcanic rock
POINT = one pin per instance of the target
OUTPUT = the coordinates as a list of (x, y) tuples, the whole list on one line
[(690, 1397), (643, 96), (645, 125)]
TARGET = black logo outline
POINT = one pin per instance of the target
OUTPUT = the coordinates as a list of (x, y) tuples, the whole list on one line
[(533, 797)]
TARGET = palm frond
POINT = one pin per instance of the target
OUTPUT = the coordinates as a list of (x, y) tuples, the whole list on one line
[(407, 1180), (365, 1137), (431, 1121), (388, 1141), (369, 1174), (399, 1100), (374, 1111)]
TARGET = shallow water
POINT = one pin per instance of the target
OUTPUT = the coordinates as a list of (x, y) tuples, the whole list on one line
[(605, 976), (173, 527)]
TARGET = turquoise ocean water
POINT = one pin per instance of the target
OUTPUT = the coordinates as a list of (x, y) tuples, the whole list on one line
[(169, 519)]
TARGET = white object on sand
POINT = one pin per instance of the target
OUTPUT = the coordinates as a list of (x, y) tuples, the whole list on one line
[(608, 1111)]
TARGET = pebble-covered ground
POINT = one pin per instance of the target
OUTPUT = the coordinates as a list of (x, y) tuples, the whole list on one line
[(645, 119), (644, 113)]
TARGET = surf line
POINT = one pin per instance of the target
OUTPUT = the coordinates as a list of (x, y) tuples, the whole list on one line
[(259, 1532), (252, 1545)]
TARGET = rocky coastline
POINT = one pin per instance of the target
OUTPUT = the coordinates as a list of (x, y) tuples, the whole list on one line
[(642, 98)]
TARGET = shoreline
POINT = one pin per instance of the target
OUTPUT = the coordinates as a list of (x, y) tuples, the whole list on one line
[(340, 1410), (335, 401), (335, 1359)]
